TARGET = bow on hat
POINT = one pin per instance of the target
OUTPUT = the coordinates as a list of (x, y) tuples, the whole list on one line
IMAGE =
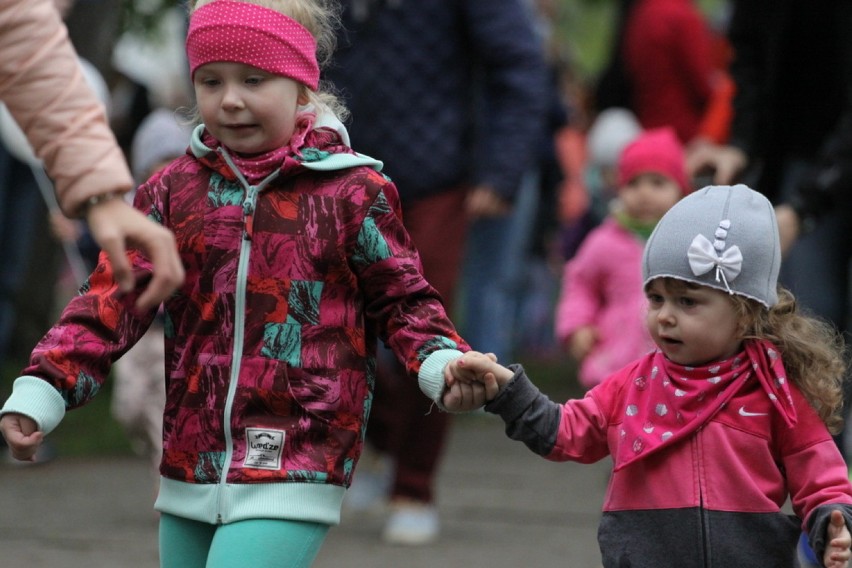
[(703, 258)]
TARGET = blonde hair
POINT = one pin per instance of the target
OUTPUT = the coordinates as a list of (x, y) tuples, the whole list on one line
[(321, 18)]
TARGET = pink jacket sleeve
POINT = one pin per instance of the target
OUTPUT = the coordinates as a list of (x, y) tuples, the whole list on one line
[(42, 84), (580, 298), (816, 472)]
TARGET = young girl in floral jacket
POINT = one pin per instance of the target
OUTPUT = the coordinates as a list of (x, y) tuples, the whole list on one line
[(297, 264)]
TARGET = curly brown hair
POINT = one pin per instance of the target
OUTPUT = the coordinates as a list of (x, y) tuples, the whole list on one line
[(814, 352)]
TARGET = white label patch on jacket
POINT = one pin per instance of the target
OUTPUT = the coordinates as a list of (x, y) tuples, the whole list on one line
[(263, 448)]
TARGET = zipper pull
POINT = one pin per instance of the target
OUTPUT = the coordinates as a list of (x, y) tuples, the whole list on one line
[(249, 205)]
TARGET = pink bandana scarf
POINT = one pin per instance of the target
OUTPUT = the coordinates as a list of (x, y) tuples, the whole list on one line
[(242, 32), (256, 167), (666, 402)]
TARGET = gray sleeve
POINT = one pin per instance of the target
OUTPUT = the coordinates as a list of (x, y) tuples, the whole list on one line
[(530, 416), (818, 522)]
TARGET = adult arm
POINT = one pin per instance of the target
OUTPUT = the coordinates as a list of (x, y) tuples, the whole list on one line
[(42, 84), (515, 92), (747, 70)]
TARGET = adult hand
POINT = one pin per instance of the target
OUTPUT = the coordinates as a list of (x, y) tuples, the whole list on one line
[(115, 224), (22, 435), (789, 227), (484, 201), (725, 162)]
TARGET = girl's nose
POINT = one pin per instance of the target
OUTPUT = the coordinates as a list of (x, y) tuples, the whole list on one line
[(232, 98), (665, 314)]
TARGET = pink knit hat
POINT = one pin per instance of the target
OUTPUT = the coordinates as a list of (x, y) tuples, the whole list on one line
[(242, 32), (657, 150)]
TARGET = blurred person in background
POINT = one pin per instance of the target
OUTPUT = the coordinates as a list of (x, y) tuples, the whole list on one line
[(791, 138), (668, 65), (415, 76), (501, 244), (601, 309), (611, 130), (668, 57)]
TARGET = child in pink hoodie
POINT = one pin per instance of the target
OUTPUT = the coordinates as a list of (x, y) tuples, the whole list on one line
[(600, 313)]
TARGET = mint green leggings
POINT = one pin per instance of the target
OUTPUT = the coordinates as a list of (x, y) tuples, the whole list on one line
[(259, 543)]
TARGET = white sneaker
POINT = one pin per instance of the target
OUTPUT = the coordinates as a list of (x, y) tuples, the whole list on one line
[(411, 524)]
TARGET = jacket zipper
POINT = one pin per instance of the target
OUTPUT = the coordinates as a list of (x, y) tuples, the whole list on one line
[(702, 513), (249, 206)]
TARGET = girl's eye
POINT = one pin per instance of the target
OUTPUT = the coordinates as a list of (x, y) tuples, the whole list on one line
[(655, 299), (685, 301), (207, 82), (253, 81)]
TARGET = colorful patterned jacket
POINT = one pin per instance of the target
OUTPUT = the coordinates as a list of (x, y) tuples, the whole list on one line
[(270, 343)]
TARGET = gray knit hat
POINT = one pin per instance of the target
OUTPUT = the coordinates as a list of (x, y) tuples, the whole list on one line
[(724, 237)]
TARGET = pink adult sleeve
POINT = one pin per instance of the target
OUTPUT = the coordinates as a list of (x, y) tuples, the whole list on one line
[(42, 84)]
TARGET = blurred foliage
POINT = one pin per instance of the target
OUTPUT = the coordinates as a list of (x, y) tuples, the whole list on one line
[(582, 29), (143, 15)]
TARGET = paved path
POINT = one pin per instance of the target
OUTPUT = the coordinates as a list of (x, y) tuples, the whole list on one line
[(501, 507)]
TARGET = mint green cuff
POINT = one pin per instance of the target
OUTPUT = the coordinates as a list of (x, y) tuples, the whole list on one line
[(37, 399), (431, 375)]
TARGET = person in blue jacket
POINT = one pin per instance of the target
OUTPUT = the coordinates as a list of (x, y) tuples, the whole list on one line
[(416, 76)]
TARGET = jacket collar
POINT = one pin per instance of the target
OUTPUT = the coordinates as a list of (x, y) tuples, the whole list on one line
[(325, 148)]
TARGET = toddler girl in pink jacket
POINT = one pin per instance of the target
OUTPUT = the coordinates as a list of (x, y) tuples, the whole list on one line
[(599, 317)]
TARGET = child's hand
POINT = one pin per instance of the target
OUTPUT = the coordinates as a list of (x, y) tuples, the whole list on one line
[(22, 435), (476, 367), (455, 371), (582, 341), (837, 553), (462, 397)]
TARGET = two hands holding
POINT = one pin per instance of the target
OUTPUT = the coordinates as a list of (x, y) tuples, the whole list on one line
[(473, 380)]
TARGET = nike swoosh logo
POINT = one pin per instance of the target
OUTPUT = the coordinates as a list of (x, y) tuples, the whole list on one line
[(744, 412)]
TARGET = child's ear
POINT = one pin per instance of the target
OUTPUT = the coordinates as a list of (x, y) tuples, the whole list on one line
[(304, 96)]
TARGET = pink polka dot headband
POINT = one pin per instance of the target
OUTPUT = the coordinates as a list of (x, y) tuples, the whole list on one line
[(241, 32)]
